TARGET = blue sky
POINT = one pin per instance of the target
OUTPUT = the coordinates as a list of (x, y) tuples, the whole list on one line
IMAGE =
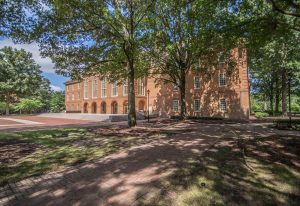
[(57, 81)]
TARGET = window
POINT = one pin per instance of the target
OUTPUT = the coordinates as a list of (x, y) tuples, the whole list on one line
[(115, 89), (68, 98), (95, 88), (73, 97), (175, 105), (114, 108), (197, 82), (72, 87), (78, 95), (67, 87), (222, 79), (103, 107), (223, 105), (175, 87), (86, 89), (78, 107), (78, 86), (197, 105), (141, 88), (125, 110), (125, 88), (104, 87)]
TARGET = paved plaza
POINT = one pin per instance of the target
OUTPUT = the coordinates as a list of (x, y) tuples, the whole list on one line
[(127, 177)]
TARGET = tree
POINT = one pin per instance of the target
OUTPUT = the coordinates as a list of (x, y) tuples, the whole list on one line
[(20, 75), (86, 37), (28, 105), (43, 93), (272, 66), (187, 37), (57, 103)]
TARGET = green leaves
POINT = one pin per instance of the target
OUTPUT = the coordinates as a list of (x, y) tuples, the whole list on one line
[(57, 103), (20, 75)]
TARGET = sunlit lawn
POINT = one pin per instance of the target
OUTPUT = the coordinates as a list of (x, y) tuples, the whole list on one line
[(29, 153)]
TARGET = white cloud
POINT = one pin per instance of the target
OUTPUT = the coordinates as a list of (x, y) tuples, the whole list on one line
[(45, 63), (55, 88)]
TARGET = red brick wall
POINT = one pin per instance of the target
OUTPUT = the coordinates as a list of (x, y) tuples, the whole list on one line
[(236, 93)]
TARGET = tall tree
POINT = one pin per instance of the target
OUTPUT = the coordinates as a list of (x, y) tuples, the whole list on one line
[(87, 37), (20, 75), (187, 37), (273, 64), (57, 102)]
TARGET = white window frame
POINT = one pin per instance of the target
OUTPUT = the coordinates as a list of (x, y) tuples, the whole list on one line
[(222, 107), (86, 89), (222, 82), (114, 89), (125, 88), (141, 87), (173, 105), (195, 83), (104, 87), (94, 88), (195, 109)]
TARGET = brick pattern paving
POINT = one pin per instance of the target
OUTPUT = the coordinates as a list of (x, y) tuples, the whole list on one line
[(118, 179)]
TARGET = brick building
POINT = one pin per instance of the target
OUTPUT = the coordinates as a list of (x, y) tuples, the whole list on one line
[(215, 93)]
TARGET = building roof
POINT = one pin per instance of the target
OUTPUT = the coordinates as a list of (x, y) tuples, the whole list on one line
[(71, 82)]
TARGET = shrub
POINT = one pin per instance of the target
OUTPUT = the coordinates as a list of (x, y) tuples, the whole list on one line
[(261, 114), (204, 118), (28, 105), (197, 118)]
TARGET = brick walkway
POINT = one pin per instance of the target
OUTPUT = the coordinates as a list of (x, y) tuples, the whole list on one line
[(14, 123), (120, 179)]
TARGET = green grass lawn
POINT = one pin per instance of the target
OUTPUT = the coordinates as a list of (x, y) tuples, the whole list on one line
[(30, 153)]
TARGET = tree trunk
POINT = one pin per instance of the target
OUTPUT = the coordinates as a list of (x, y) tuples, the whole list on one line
[(271, 98), (131, 96), (182, 96), (284, 92), (7, 103), (277, 93)]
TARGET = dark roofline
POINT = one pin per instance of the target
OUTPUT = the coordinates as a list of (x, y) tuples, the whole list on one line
[(71, 82)]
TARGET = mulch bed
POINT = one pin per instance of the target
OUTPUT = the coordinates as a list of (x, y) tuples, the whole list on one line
[(12, 150)]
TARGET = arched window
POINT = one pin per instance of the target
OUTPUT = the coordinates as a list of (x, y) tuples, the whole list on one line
[(103, 108), (141, 106), (114, 108), (94, 107), (85, 108), (125, 107)]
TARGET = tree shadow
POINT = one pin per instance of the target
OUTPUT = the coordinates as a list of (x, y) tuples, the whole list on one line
[(121, 178), (221, 176)]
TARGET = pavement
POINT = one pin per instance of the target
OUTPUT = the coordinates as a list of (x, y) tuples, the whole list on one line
[(32, 122), (128, 177), (60, 120), (124, 178)]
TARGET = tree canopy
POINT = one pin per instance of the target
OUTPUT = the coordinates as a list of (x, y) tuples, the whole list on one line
[(20, 75)]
